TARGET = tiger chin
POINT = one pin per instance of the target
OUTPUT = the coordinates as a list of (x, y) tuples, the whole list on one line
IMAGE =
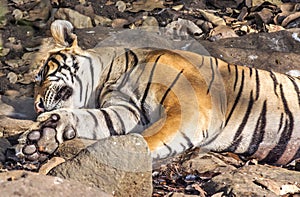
[(175, 99)]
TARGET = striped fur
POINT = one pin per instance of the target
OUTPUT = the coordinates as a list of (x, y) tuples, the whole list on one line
[(175, 99)]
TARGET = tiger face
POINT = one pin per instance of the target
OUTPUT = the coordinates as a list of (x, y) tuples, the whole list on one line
[(55, 86)]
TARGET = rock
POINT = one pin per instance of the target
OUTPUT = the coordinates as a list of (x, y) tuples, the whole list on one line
[(24, 183), (277, 51), (121, 5), (221, 32), (209, 162), (119, 22), (12, 77), (255, 180), (77, 19), (120, 165), (212, 18), (150, 21), (18, 108), (100, 20), (4, 145)]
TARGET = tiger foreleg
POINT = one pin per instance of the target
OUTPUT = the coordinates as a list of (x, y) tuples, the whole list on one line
[(55, 127)]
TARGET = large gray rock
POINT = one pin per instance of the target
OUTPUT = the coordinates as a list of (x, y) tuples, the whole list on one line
[(255, 180), (278, 51), (27, 184), (119, 165)]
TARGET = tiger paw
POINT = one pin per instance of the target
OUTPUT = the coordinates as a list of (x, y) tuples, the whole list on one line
[(44, 138)]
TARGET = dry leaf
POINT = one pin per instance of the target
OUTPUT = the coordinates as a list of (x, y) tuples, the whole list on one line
[(290, 18), (53, 162), (199, 189), (216, 20)]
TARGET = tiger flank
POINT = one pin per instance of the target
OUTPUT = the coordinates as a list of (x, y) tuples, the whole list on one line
[(175, 99)]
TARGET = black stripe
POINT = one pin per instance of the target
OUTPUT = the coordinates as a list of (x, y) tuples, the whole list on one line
[(131, 65), (205, 133), (126, 59), (202, 63), (64, 56), (236, 77), (109, 72), (46, 72), (296, 88), (86, 94), (237, 137), (123, 129), (109, 123), (280, 122), (229, 68), (75, 63), (257, 81), (237, 98), (296, 156), (188, 140), (170, 87), (169, 149), (212, 76), (91, 68), (259, 132), (149, 84), (94, 118), (275, 82), (250, 72), (132, 111), (286, 135), (80, 86)]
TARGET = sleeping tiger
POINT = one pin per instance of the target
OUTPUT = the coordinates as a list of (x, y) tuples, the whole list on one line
[(175, 99)]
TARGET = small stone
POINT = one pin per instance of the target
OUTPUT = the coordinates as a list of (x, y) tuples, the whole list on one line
[(17, 14), (12, 93), (121, 6), (177, 7), (4, 51), (119, 23), (77, 19), (100, 20)]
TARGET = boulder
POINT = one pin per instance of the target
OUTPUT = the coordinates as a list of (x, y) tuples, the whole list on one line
[(119, 165), (26, 184), (255, 180)]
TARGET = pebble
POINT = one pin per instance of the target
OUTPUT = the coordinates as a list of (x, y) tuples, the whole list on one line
[(121, 6)]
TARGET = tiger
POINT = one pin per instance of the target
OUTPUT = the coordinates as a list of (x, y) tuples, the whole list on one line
[(175, 99)]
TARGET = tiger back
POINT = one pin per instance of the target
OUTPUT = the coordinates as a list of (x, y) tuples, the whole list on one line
[(175, 99)]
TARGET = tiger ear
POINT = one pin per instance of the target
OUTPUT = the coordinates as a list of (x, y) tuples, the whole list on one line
[(62, 32)]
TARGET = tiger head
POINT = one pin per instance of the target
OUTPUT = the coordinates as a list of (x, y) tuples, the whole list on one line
[(55, 83)]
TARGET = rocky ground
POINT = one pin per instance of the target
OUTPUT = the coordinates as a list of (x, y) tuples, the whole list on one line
[(261, 34)]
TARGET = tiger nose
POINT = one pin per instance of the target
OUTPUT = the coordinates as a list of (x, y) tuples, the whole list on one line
[(39, 106)]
